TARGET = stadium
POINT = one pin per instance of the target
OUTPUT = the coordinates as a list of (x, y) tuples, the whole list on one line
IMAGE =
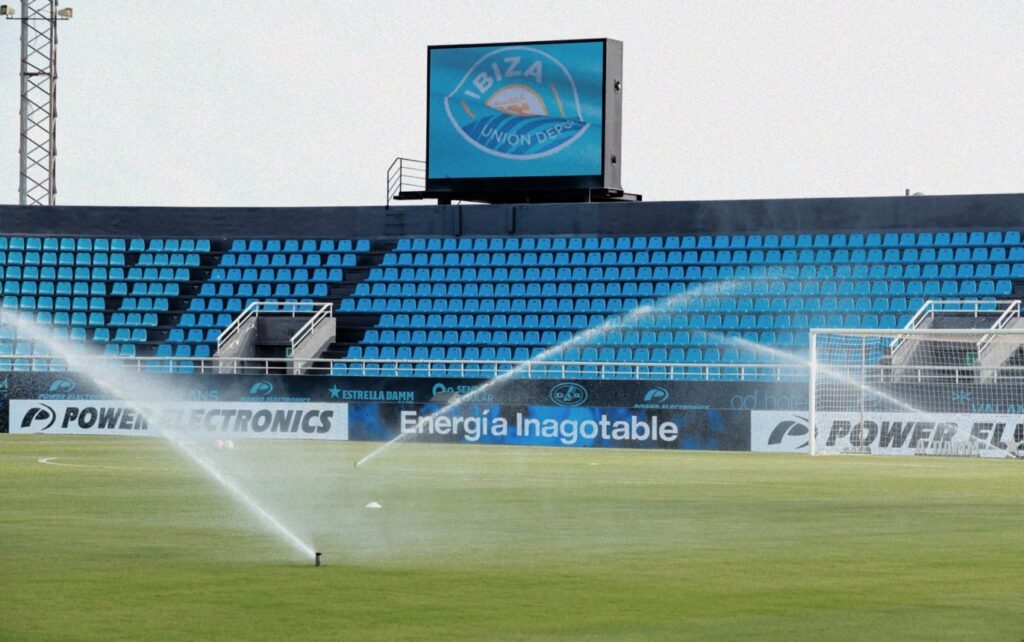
[(543, 408)]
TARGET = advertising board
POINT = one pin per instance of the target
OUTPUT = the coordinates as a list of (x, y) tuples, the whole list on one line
[(216, 419), (690, 415), (889, 433), (905, 433)]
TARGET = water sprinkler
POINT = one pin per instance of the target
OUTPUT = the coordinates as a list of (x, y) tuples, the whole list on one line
[(317, 560)]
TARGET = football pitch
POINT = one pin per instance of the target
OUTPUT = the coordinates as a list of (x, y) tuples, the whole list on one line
[(120, 538)]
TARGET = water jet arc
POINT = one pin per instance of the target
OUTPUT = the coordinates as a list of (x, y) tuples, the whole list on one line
[(661, 306), (132, 388)]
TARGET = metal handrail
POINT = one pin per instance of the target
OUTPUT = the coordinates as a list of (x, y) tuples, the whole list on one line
[(603, 370), (292, 308), (326, 311), (973, 307), (900, 332), (1011, 313), (442, 367), (407, 173), (924, 373), (928, 309), (403, 173), (227, 333)]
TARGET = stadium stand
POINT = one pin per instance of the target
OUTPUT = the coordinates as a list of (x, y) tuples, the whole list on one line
[(258, 270), (110, 291), (511, 299), (500, 299)]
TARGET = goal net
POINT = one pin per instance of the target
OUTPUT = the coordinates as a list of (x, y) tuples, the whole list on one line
[(955, 392)]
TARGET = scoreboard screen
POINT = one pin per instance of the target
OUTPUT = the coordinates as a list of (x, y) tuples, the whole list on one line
[(504, 114)]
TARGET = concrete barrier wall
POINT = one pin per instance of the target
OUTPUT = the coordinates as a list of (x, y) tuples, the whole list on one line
[(998, 211)]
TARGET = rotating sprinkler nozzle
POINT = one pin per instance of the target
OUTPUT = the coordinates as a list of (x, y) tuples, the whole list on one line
[(317, 560)]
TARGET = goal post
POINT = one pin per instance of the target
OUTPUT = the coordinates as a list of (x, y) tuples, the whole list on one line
[(955, 392)]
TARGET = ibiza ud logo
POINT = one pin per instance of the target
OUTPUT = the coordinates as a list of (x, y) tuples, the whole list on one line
[(517, 103), (568, 394), (39, 417)]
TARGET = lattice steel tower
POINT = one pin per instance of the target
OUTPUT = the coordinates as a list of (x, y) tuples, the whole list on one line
[(38, 142)]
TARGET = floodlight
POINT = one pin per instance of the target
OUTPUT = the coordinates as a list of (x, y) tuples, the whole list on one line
[(6, 10), (64, 13)]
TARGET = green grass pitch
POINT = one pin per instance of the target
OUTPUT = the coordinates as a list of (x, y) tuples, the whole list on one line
[(119, 538)]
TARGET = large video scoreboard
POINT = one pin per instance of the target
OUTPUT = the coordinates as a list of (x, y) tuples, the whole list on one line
[(533, 115)]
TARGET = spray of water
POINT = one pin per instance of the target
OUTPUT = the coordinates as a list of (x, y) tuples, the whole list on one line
[(664, 305), (130, 386), (845, 378)]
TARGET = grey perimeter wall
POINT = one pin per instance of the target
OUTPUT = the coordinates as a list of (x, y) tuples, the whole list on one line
[(999, 211)]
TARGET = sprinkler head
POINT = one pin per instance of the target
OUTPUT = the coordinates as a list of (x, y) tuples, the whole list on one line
[(317, 561)]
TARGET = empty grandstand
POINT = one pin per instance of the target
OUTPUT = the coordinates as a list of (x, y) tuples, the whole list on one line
[(453, 291)]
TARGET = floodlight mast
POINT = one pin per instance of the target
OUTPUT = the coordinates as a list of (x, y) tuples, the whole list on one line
[(38, 141)]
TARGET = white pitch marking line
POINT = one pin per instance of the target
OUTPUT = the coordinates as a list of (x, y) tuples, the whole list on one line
[(49, 461)]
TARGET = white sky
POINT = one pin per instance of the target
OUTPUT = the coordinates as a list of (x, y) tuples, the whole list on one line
[(252, 102)]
